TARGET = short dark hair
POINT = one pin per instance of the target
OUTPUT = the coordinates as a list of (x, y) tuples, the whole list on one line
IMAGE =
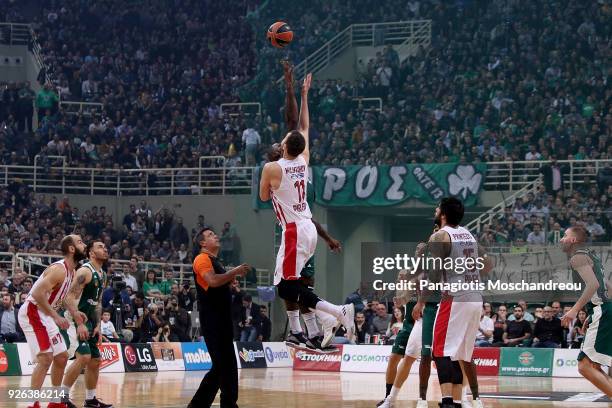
[(140, 295), (247, 297), (453, 210), (519, 306), (200, 236), (295, 143), (90, 245), (66, 243)]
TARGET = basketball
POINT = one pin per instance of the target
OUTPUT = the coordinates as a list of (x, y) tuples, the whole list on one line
[(280, 34)]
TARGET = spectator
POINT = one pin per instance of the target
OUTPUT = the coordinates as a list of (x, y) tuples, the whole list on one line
[(381, 321), (553, 176), (499, 326), (10, 331), (165, 286), (134, 276), (265, 325), (236, 308), (488, 311), (578, 330), (548, 332), (107, 329), (149, 325), (179, 234), (396, 323), (555, 235), (151, 286), (178, 321), (228, 235), (536, 237), (528, 317), (249, 319), (186, 298), (164, 334), (556, 307), (46, 101), (484, 336), (361, 328), (356, 299), (518, 330), (251, 140)]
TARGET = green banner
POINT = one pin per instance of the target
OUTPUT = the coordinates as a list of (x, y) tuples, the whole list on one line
[(379, 186), (9, 360), (526, 362), (372, 186)]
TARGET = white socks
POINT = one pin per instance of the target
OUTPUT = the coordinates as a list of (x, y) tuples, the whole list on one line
[(294, 321), (329, 308), (394, 393), (90, 394), (310, 319)]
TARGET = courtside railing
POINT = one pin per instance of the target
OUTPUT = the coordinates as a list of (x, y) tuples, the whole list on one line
[(404, 35), (34, 263), (215, 176)]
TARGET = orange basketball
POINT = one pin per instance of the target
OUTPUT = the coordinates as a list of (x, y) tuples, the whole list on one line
[(280, 34)]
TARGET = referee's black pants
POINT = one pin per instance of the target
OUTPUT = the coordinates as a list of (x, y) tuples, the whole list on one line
[(224, 372)]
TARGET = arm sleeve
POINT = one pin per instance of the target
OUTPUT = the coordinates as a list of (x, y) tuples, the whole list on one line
[(201, 266)]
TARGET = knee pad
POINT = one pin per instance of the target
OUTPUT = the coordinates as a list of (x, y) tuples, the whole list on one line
[(444, 365), (457, 373)]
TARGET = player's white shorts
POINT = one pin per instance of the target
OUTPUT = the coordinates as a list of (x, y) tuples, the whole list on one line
[(40, 330), (413, 347), (455, 327), (298, 245), (597, 345)]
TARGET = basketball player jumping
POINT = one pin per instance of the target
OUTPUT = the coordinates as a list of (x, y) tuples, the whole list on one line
[(597, 345), (315, 338), (41, 323), (458, 314), (285, 182), (86, 289)]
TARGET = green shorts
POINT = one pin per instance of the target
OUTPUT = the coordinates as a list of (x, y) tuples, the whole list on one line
[(76, 345), (597, 345), (399, 344), (429, 317), (308, 270)]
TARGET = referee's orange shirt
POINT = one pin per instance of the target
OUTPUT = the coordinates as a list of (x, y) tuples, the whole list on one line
[(201, 266)]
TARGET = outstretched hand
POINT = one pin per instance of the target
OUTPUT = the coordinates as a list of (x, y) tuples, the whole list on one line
[(306, 84), (287, 72)]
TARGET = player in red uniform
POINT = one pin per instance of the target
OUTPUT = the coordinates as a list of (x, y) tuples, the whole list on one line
[(285, 182), (41, 323)]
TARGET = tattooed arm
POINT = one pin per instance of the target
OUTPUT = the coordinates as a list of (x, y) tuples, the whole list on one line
[(82, 278)]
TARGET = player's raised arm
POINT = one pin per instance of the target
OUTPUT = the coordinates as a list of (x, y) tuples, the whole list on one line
[(584, 266), (291, 107), (304, 123), (53, 277), (82, 278)]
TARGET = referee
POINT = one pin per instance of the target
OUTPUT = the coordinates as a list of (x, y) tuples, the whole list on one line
[(212, 285)]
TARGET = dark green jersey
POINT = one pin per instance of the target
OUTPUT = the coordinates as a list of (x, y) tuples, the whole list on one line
[(602, 294), (92, 293)]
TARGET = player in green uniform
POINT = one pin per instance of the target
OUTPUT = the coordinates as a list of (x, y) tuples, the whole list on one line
[(597, 345), (83, 335)]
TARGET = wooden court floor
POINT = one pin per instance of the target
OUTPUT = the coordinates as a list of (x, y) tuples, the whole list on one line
[(285, 388)]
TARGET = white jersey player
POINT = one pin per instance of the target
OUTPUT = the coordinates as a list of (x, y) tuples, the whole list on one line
[(285, 182), (458, 314), (40, 321)]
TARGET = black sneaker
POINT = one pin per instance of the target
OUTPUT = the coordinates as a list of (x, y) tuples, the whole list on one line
[(296, 339), (328, 349), (95, 403), (69, 404)]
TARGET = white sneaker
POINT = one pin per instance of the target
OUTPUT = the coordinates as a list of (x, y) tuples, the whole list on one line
[(421, 404), (348, 320), (477, 403), (387, 404), (329, 330), (466, 404)]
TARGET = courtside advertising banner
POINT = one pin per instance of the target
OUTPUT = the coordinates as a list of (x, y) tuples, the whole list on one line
[(486, 360), (315, 361), (277, 354), (110, 358), (9, 360), (527, 362), (250, 354), (25, 359), (365, 358), (168, 356), (565, 363), (138, 357), (196, 356)]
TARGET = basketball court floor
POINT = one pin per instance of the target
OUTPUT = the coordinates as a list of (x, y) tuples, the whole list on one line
[(286, 388)]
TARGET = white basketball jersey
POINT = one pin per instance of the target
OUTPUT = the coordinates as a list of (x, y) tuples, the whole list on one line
[(56, 297), (463, 246), (289, 199)]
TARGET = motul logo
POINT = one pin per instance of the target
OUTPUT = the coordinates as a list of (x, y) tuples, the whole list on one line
[(325, 358), (486, 362)]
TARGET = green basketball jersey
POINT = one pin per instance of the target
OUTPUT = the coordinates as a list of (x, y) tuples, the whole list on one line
[(602, 294), (91, 293)]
